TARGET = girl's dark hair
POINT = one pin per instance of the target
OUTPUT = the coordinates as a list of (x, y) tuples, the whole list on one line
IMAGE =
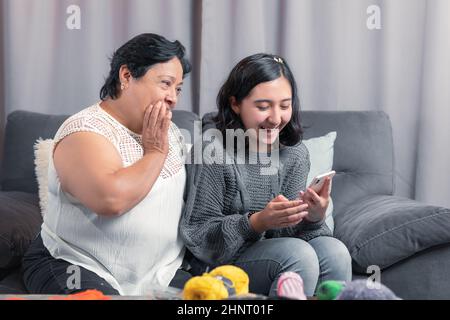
[(139, 54), (246, 75)]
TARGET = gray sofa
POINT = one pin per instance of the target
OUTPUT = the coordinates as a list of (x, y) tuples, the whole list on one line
[(409, 241)]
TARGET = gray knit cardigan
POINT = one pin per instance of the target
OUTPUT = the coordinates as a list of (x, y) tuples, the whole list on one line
[(214, 224)]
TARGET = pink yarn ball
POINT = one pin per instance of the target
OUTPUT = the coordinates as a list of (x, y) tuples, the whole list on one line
[(290, 285)]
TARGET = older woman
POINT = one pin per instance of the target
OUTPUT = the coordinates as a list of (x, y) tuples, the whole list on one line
[(116, 182)]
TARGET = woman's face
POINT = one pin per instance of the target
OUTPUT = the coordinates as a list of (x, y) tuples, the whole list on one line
[(267, 109), (162, 82)]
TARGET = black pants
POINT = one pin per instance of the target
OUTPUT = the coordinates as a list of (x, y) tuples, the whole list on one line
[(43, 274)]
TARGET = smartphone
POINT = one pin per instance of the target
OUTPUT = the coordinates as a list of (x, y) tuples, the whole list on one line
[(319, 180)]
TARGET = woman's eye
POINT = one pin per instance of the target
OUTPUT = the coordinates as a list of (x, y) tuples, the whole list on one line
[(166, 83), (179, 91), (263, 108), (285, 107)]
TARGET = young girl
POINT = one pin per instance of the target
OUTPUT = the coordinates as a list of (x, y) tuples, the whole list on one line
[(238, 211)]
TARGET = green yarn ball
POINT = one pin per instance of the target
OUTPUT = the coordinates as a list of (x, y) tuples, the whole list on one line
[(329, 290)]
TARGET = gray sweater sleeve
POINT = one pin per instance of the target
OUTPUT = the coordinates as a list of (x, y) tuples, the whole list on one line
[(212, 235), (293, 181)]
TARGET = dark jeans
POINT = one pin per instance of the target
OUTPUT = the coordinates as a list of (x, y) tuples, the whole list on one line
[(43, 274)]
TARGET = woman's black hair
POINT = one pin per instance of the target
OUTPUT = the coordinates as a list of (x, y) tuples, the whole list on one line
[(246, 75), (139, 54)]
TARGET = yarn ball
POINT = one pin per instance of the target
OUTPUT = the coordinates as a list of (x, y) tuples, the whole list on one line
[(221, 283), (290, 285), (204, 287), (360, 290), (90, 294), (329, 289), (238, 277)]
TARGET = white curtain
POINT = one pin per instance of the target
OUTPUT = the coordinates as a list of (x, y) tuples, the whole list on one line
[(433, 121), (390, 55), (2, 86)]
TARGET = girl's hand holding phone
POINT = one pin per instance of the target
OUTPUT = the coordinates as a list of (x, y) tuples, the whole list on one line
[(317, 201), (279, 213)]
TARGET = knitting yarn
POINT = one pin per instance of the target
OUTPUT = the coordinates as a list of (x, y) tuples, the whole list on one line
[(221, 283), (290, 286), (204, 287), (360, 290), (329, 289), (238, 277), (91, 294)]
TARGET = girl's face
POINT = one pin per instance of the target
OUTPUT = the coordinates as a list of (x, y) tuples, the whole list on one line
[(267, 109)]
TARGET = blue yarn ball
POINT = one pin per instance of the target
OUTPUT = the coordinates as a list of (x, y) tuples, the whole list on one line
[(360, 290)]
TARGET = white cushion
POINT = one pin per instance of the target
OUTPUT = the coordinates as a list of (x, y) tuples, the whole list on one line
[(42, 153), (321, 152)]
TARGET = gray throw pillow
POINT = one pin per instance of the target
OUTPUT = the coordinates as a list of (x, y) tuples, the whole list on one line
[(321, 152), (382, 230)]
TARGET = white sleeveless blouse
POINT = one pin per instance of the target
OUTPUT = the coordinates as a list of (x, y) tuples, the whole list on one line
[(138, 250)]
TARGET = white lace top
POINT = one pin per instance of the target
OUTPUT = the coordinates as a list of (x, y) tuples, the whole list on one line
[(142, 247)]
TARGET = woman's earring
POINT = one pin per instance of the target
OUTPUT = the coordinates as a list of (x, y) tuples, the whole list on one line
[(122, 86)]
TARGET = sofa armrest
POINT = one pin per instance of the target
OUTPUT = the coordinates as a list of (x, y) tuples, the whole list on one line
[(382, 230)]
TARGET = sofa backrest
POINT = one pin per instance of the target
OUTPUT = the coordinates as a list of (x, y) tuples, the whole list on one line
[(363, 153), (22, 130)]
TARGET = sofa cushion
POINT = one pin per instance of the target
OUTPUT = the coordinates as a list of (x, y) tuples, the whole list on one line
[(23, 128), (321, 150), (20, 223), (189, 124), (383, 230), (363, 153)]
